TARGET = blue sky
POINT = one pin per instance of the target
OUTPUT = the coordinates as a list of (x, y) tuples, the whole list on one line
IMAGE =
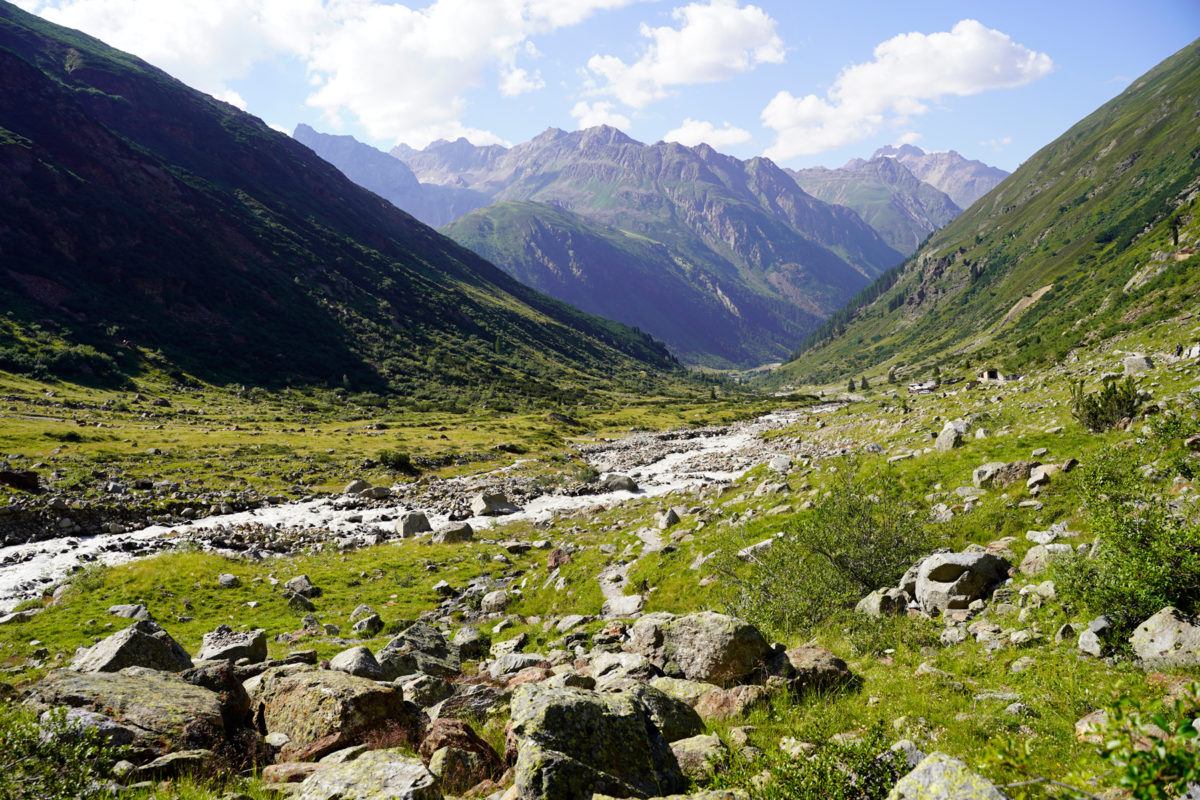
[(804, 83)]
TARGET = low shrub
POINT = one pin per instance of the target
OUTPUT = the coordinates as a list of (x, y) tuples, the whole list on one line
[(1103, 410), (858, 538), (51, 760), (397, 461)]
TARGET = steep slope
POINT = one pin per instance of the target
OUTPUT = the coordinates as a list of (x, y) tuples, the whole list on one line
[(139, 215), (391, 178), (1094, 234), (702, 316), (963, 179), (889, 198)]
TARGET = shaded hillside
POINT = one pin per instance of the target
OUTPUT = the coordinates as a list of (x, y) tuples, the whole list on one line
[(1094, 234), (964, 180), (702, 316), (140, 215), (391, 178), (889, 198)]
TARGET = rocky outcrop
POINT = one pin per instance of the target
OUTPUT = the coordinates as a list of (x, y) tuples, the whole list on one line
[(420, 648), (570, 743), (940, 777), (225, 643), (1169, 639), (953, 580)]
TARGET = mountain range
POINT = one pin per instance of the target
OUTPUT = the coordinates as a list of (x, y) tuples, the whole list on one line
[(144, 223)]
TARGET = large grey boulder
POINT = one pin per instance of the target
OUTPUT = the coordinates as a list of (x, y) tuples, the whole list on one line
[(985, 474), (411, 523), (420, 648), (324, 710), (375, 775), (705, 646), (572, 743), (1169, 639), (491, 504), (883, 602), (1038, 557), (1133, 365), (454, 533), (940, 777), (230, 645), (954, 580), (673, 717), (143, 644), (510, 664), (613, 482), (358, 661), (951, 436)]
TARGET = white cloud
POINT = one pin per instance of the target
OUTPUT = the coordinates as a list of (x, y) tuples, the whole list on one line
[(997, 144), (601, 113), (908, 137), (402, 72), (713, 42), (908, 73), (693, 132)]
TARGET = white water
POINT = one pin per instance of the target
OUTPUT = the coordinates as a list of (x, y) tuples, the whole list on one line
[(54, 559)]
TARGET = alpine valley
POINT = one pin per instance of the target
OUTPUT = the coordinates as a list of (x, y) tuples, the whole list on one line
[(302, 498)]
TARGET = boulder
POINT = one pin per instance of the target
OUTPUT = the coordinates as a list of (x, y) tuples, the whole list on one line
[(420, 648), (491, 504), (227, 644), (510, 664), (625, 605), (474, 761), (1039, 556), (1013, 472), (424, 690), (386, 774), (163, 711), (815, 668), (129, 611), (674, 718), (470, 641), (324, 710), (613, 482), (355, 486), (1094, 640), (494, 602), (732, 703), (883, 602), (955, 580), (1168, 640), (302, 585), (143, 644), (477, 701), (454, 533), (1133, 365), (705, 646), (571, 743), (940, 777), (985, 475), (696, 755), (369, 625), (950, 437), (411, 523), (358, 661)]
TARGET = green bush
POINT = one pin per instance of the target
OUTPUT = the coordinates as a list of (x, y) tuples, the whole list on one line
[(587, 474), (859, 538), (53, 760), (397, 461), (1144, 557), (1104, 410)]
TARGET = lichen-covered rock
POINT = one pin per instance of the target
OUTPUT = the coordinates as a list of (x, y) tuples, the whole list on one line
[(955, 580), (476, 701), (470, 760), (454, 533), (230, 645), (682, 689), (1038, 557), (375, 775), (570, 743), (323, 710), (143, 644), (1168, 639), (411, 523), (420, 648), (815, 668), (940, 777), (674, 718), (695, 754), (732, 703), (164, 712), (705, 646), (425, 690)]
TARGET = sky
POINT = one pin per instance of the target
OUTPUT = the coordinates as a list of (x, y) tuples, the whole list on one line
[(806, 84)]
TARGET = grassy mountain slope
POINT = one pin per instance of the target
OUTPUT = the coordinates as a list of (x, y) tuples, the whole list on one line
[(1094, 234), (142, 216), (889, 198), (701, 315)]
